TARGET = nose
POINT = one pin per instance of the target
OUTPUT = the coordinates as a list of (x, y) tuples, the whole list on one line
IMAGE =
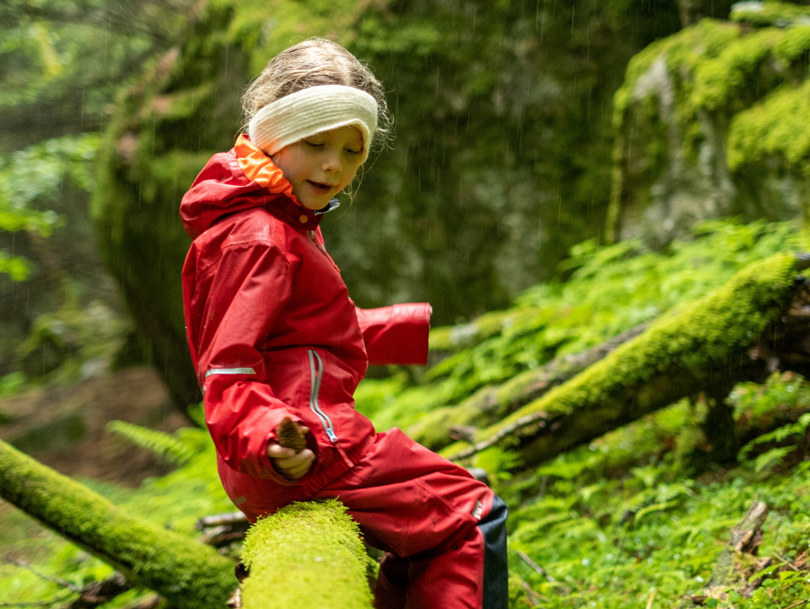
[(331, 163)]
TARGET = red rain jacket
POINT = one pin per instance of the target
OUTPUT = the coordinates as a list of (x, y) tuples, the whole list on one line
[(272, 330)]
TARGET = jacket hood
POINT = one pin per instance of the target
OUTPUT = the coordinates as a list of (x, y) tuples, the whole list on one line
[(242, 178)]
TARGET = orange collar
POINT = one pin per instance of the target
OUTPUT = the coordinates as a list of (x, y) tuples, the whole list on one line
[(260, 168)]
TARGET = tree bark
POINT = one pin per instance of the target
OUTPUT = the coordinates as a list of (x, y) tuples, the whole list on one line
[(186, 572), (714, 342)]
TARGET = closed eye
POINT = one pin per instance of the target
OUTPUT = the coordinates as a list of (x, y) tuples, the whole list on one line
[(313, 144)]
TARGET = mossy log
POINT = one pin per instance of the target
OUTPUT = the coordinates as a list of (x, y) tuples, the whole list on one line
[(706, 346), (184, 571), (492, 403), (305, 555)]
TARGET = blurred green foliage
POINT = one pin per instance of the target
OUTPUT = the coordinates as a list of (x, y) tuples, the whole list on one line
[(31, 180)]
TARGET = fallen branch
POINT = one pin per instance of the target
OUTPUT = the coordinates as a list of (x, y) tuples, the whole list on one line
[(494, 402), (188, 573), (732, 571), (706, 345), (222, 530)]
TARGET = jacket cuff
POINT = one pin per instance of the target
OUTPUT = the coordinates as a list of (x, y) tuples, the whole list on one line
[(397, 334)]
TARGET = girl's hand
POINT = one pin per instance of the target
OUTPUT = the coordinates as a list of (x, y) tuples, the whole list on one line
[(288, 462)]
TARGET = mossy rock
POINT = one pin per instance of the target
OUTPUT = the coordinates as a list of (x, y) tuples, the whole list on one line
[(710, 123)]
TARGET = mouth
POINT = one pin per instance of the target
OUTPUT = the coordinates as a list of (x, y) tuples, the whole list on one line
[(320, 187)]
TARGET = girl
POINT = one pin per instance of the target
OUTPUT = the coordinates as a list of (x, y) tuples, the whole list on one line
[(274, 338)]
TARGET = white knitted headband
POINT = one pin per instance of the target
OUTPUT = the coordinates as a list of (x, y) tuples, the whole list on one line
[(309, 111)]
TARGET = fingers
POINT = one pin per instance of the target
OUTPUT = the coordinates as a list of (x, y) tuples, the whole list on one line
[(290, 464)]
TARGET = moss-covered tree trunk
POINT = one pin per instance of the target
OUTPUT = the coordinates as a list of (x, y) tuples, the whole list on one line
[(492, 403), (700, 348), (188, 573), (306, 555)]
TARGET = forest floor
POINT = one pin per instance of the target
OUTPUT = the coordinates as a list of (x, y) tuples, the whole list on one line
[(64, 426)]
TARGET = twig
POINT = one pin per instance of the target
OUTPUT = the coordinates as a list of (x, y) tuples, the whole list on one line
[(534, 598), (220, 520), (537, 419), (536, 567), (51, 578), (97, 593), (786, 562)]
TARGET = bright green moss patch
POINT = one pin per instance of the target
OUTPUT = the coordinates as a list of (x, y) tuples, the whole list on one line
[(774, 128), (306, 555), (726, 77), (681, 53), (753, 76)]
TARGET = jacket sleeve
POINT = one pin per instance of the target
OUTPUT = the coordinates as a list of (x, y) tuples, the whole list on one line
[(237, 301), (397, 334)]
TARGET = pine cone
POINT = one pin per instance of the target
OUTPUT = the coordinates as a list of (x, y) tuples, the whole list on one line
[(289, 436)]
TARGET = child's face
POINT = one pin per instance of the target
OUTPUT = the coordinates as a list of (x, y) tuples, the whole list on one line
[(322, 165)]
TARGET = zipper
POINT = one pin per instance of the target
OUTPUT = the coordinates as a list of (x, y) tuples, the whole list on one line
[(316, 374), (314, 241)]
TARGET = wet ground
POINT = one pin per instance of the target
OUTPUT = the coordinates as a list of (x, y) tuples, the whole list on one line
[(64, 427)]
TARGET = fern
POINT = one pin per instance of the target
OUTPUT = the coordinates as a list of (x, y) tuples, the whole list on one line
[(177, 448), (778, 435)]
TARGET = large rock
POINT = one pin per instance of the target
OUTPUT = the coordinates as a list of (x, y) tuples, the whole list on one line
[(711, 122)]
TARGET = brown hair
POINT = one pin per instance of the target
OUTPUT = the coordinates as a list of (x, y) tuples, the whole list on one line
[(315, 61)]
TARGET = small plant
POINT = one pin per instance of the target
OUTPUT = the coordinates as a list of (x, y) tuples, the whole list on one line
[(178, 448)]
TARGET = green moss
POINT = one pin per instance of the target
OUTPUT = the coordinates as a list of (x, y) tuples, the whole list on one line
[(774, 128), (769, 13), (712, 66), (793, 43), (188, 573), (709, 332), (728, 76), (714, 63), (682, 53), (306, 555)]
